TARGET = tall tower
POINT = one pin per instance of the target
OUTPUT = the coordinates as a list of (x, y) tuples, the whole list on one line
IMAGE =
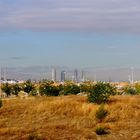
[(131, 77), (83, 76), (76, 75), (4, 74), (54, 75), (63, 75), (132, 74)]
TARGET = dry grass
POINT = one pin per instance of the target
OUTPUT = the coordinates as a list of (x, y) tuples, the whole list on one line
[(68, 118)]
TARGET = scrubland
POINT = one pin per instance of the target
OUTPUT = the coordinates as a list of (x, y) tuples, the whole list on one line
[(68, 118)]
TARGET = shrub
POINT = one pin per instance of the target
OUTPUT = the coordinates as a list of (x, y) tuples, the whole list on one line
[(101, 92), (28, 86), (98, 98), (70, 89), (100, 130), (131, 90), (33, 137), (137, 87), (101, 113), (33, 92), (15, 89), (46, 88), (1, 104), (6, 88), (86, 87)]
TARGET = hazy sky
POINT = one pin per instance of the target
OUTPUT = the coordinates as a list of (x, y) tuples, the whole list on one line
[(75, 33)]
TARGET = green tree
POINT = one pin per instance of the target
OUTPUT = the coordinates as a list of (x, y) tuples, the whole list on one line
[(86, 87), (47, 88), (131, 90), (15, 89), (137, 87), (6, 88), (101, 92), (33, 92), (28, 86), (70, 89)]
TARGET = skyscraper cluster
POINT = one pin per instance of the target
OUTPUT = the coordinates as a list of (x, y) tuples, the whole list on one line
[(75, 76)]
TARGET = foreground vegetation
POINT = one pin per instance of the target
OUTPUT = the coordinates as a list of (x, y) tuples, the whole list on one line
[(50, 88), (70, 118), (52, 111), (97, 92)]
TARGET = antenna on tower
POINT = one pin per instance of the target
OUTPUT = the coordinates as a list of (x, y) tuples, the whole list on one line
[(131, 77), (95, 76), (4, 74), (132, 74)]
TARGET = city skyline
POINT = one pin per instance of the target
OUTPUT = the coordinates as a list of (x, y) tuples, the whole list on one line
[(65, 73)]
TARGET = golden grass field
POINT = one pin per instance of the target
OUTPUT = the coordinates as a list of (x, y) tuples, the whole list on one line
[(68, 118)]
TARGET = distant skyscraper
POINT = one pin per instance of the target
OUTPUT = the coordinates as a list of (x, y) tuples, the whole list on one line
[(54, 75), (76, 75), (4, 74), (83, 76), (63, 75)]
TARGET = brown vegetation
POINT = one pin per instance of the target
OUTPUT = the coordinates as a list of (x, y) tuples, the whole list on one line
[(68, 118)]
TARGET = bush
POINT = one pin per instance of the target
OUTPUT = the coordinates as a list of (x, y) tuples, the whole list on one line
[(70, 89), (6, 88), (86, 87), (28, 86), (98, 98), (1, 104), (15, 89), (101, 113), (33, 137), (101, 92), (33, 92), (46, 88), (137, 87), (131, 91), (100, 130)]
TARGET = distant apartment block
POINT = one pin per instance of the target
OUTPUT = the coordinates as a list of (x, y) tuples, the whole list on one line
[(63, 76), (54, 75)]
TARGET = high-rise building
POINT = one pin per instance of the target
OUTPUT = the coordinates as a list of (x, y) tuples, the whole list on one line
[(83, 76), (63, 75), (76, 75), (54, 75)]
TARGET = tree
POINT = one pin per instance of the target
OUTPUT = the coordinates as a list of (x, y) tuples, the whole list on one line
[(137, 87), (86, 87), (101, 92), (47, 88), (28, 86), (15, 89), (70, 89), (6, 88), (131, 90)]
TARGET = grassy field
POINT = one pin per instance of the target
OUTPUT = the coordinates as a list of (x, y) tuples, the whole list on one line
[(68, 118)]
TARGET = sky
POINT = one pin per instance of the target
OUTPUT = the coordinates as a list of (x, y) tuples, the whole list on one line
[(73, 33)]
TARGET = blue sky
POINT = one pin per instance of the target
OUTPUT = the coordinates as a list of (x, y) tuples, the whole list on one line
[(74, 33)]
